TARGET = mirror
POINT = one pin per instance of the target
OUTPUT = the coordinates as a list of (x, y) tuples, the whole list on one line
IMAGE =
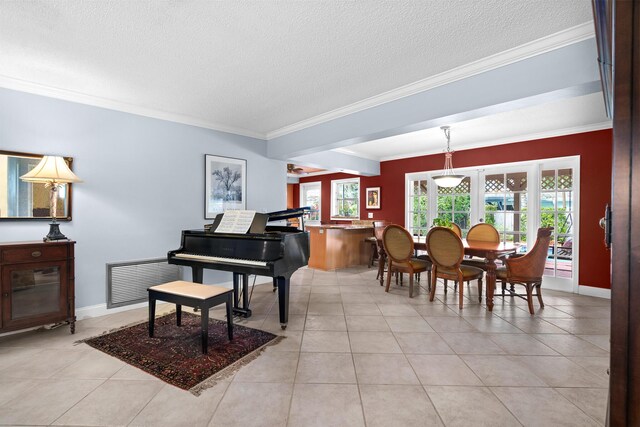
[(25, 200)]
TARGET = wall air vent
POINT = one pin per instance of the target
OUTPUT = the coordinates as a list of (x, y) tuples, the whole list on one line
[(127, 282)]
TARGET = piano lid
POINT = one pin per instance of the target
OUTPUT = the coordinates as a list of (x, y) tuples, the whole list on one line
[(288, 213)]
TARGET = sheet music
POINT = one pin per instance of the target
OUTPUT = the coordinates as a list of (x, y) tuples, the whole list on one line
[(235, 222)]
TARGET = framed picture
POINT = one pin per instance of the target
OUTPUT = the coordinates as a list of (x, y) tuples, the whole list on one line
[(373, 197), (225, 184)]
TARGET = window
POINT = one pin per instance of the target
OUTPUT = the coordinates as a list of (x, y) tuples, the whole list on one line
[(418, 224), (345, 198), (517, 199), (454, 204), (310, 195)]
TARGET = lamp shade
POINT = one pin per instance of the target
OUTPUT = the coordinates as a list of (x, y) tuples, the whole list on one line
[(51, 169), (448, 181)]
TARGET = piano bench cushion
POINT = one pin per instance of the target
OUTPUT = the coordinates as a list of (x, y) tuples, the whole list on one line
[(191, 290)]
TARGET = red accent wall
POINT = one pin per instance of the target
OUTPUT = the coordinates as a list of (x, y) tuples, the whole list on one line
[(594, 149)]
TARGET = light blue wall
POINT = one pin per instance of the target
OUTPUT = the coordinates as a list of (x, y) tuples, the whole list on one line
[(143, 180)]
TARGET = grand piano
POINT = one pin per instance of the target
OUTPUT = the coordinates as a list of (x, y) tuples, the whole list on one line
[(277, 252)]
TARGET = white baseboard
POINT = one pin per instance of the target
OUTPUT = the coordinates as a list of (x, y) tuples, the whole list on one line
[(102, 310), (594, 292)]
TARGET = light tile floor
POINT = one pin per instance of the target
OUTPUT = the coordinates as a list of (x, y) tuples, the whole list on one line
[(354, 355)]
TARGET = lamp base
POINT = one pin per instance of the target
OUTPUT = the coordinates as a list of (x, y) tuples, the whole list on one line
[(54, 233)]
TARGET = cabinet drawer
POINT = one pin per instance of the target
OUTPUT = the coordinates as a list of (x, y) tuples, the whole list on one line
[(34, 253)]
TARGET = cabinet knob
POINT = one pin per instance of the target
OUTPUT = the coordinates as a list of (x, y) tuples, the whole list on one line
[(36, 254)]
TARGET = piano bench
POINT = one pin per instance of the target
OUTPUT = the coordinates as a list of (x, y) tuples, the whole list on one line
[(192, 295)]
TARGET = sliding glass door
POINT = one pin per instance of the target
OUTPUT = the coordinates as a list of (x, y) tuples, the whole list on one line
[(557, 210)]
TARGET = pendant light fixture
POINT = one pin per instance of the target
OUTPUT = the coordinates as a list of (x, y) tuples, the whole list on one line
[(448, 178)]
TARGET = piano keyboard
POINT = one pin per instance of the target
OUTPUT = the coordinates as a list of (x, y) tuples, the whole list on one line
[(220, 259)]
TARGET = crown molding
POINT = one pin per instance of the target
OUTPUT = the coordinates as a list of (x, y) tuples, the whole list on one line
[(512, 139), (96, 101), (536, 47)]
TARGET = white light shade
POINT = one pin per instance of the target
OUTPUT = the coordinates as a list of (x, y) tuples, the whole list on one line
[(51, 169), (448, 181)]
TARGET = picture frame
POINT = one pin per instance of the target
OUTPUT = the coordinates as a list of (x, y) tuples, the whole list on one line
[(372, 196), (225, 184)]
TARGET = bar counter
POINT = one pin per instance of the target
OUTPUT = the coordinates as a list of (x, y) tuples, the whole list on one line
[(338, 246)]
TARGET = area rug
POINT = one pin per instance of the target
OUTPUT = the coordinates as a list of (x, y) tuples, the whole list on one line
[(174, 354)]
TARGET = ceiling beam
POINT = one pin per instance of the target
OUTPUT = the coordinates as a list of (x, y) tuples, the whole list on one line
[(564, 72)]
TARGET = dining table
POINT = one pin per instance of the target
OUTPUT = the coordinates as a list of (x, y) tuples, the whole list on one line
[(488, 250)]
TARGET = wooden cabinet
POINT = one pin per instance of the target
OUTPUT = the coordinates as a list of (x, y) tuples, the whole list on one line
[(36, 284)]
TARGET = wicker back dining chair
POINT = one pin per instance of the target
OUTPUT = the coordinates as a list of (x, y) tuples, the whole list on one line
[(446, 251), (527, 270), (482, 232), (398, 245), (456, 229)]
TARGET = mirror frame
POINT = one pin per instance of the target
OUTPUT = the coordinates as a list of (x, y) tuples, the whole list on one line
[(66, 218)]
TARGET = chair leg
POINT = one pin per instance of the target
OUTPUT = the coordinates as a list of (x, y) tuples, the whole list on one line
[(373, 255), (504, 287), (480, 289), (410, 285), (539, 292), (429, 280), (381, 262), (388, 276), (434, 279), (445, 286), (530, 297), (460, 291)]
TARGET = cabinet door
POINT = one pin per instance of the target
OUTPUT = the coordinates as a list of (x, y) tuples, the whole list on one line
[(34, 294)]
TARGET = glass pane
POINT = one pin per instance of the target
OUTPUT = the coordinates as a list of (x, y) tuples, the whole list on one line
[(462, 203), (34, 292), (462, 219), (547, 217), (423, 187), (565, 200), (565, 179), (509, 221), (499, 219), (493, 202), (464, 186), (516, 181), (350, 191), (548, 180), (414, 188), (520, 201), (443, 217), (565, 223), (547, 201), (445, 203), (493, 183), (522, 228)]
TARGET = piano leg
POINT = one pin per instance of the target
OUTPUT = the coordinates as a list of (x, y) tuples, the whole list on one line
[(244, 310), (196, 274), (275, 284), (283, 300)]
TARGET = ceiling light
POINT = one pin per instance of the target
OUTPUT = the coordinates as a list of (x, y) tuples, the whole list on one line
[(448, 178)]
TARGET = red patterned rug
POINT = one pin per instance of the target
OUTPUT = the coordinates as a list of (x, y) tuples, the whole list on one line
[(174, 354)]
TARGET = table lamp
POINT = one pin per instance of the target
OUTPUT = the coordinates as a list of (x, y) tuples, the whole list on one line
[(53, 172)]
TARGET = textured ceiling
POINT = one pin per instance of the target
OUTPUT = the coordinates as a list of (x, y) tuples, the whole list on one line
[(564, 116), (258, 66)]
